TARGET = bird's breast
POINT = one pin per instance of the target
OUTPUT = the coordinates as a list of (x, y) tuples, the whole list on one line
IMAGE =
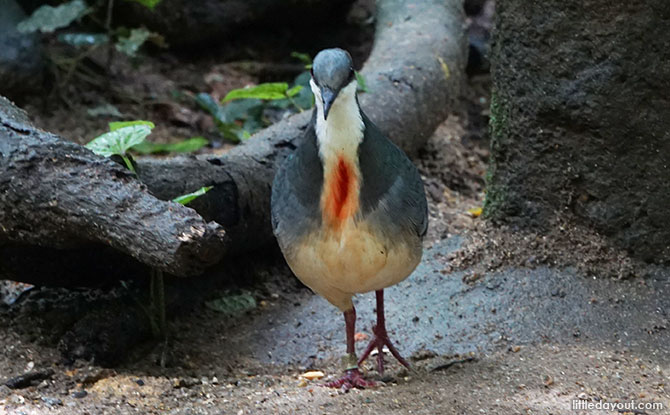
[(340, 193)]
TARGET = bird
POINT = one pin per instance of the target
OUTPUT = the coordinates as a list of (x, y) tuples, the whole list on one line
[(348, 208)]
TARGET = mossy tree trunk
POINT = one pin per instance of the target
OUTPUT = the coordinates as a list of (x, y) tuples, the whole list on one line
[(581, 118)]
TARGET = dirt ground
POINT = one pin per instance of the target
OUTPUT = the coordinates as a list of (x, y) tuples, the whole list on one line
[(495, 320)]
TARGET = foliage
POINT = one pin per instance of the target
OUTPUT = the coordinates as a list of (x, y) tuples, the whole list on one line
[(187, 198), (79, 40), (267, 91), (124, 136), (46, 18), (362, 85), (304, 58), (115, 125), (233, 305), (130, 44), (120, 138), (185, 146), (235, 121), (244, 111), (104, 110), (150, 4)]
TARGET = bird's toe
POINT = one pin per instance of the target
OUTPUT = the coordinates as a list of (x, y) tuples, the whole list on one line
[(351, 379)]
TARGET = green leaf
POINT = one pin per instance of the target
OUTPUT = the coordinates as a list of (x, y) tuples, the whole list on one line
[(119, 141), (46, 18), (305, 98), (185, 199), (293, 91), (362, 85), (233, 305), (268, 91), (304, 58), (115, 125), (150, 4), (79, 40), (224, 124), (132, 43), (184, 146), (107, 110), (210, 105)]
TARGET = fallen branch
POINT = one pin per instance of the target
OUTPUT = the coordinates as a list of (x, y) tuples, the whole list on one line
[(57, 195)]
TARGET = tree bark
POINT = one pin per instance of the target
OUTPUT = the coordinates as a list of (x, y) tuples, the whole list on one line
[(580, 119), (57, 195), (414, 74)]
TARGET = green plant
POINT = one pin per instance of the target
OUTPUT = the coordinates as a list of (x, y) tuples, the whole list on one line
[(244, 111), (121, 138), (47, 19), (362, 85), (124, 136), (185, 146), (187, 198), (271, 91)]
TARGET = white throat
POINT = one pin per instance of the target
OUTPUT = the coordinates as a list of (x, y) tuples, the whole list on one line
[(342, 132)]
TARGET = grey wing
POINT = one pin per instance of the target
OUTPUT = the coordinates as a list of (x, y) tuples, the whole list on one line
[(392, 190), (296, 190)]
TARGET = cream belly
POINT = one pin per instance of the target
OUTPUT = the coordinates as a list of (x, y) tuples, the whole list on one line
[(351, 260)]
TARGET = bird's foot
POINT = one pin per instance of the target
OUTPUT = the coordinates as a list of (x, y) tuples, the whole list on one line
[(352, 379), (380, 340)]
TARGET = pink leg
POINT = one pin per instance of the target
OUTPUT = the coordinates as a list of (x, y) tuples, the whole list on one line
[(381, 338), (352, 377)]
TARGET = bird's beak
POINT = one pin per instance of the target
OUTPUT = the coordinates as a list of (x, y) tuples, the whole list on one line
[(328, 96)]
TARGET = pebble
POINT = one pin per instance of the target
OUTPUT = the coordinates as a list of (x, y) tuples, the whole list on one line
[(51, 401), (79, 394)]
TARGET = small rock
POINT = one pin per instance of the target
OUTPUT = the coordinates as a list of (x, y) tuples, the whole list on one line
[(51, 401), (185, 382), (548, 381), (515, 349), (18, 399), (79, 394), (28, 379), (139, 382)]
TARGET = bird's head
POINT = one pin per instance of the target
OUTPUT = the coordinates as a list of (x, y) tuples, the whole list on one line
[(332, 71)]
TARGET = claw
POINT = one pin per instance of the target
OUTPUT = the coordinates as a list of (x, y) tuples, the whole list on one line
[(351, 379)]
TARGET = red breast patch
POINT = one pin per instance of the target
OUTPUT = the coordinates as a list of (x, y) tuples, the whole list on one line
[(340, 192)]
